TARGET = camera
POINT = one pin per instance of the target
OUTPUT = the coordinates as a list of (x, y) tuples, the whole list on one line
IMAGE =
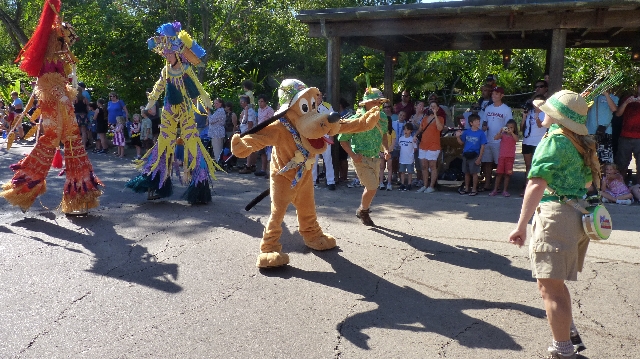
[(505, 129), (528, 106)]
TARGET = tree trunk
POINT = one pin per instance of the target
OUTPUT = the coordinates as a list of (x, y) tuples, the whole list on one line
[(17, 35)]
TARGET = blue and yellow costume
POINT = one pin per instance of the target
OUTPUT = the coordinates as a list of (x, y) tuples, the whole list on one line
[(181, 88)]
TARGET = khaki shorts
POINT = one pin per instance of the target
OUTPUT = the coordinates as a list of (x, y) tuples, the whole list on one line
[(368, 171), (558, 245)]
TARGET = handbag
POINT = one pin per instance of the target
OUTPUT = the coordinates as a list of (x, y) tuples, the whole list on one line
[(600, 131), (419, 134), (596, 220)]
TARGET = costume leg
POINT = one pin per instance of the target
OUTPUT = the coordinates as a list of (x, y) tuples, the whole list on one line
[(28, 181), (309, 228), (80, 191), (271, 250), (155, 176), (198, 164)]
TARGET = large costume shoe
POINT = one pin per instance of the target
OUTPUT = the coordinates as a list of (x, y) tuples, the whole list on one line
[(321, 243), (272, 259)]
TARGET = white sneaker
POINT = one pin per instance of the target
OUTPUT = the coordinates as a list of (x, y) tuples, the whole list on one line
[(624, 201), (604, 200), (381, 186), (389, 188), (429, 190), (422, 189)]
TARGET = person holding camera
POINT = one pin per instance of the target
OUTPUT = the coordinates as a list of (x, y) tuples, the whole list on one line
[(508, 137), (532, 132), (599, 124), (428, 138)]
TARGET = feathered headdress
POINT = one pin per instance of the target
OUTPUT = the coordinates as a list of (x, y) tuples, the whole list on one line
[(172, 38), (33, 53), (371, 93)]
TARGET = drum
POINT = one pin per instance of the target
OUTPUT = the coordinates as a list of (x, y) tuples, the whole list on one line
[(597, 224)]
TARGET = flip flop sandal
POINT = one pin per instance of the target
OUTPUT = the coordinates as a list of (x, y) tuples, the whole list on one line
[(462, 192), (473, 193), (482, 189)]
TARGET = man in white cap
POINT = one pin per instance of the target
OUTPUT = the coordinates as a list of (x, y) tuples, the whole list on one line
[(325, 107), (364, 149)]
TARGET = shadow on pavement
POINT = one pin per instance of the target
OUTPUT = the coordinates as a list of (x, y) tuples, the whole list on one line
[(404, 308), (461, 256), (115, 256)]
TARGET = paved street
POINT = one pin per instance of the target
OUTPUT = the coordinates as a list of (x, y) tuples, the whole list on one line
[(163, 279)]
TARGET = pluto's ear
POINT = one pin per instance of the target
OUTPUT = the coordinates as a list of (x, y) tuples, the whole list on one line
[(264, 124)]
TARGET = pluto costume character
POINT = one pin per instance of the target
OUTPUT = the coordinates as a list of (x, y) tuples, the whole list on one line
[(296, 136), (47, 56)]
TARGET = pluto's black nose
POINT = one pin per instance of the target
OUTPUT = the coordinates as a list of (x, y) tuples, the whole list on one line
[(334, 117)]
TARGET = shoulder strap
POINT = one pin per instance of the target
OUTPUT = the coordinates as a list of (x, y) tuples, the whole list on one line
[(589, 154)]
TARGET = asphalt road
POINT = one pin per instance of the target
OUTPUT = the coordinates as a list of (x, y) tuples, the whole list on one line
[(163, 279)]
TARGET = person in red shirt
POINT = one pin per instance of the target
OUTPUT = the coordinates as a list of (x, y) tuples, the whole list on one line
[(629, 141), (405, 105)]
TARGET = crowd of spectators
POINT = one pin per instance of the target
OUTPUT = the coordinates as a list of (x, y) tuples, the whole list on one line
[(415, 127)]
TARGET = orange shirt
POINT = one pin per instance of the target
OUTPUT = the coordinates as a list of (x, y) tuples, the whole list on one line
[(430, 136)]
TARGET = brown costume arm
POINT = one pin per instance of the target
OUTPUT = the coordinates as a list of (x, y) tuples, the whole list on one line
[(361, 124), (269, 136)]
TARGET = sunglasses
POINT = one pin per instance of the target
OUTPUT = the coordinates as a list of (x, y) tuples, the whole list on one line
[(540, 86)]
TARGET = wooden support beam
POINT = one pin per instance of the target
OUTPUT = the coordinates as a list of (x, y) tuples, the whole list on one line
[(614, 31), (531, 41), (388, 75), (333, 71), (600, 15), (387, 44), (586, 31), (333, 88), (493, 34), (556, 59), (477, 24)]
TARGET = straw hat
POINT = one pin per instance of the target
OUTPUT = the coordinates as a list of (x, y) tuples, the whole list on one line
[(288, 92), (372, 94), (568, 108)]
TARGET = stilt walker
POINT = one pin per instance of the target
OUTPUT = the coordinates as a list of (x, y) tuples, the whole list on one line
[(47, 56), (182, 91)]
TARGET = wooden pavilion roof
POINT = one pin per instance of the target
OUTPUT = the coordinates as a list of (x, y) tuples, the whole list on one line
[(480, 24)]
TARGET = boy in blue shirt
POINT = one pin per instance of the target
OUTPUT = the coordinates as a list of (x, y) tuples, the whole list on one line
[(474, 141)]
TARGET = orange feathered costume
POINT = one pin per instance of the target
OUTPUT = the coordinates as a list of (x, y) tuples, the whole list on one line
[(47, 57)]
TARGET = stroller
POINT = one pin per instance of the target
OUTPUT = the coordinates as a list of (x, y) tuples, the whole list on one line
[(206, 141), (227, 159)]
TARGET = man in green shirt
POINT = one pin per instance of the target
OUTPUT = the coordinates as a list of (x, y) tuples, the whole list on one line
[(559, 244), (364, 149)]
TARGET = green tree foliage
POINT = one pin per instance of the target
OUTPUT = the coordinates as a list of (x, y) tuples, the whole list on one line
[(261, 40)]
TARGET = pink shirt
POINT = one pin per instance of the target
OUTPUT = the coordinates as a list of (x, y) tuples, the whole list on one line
[(264, 113), (507, 146)]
